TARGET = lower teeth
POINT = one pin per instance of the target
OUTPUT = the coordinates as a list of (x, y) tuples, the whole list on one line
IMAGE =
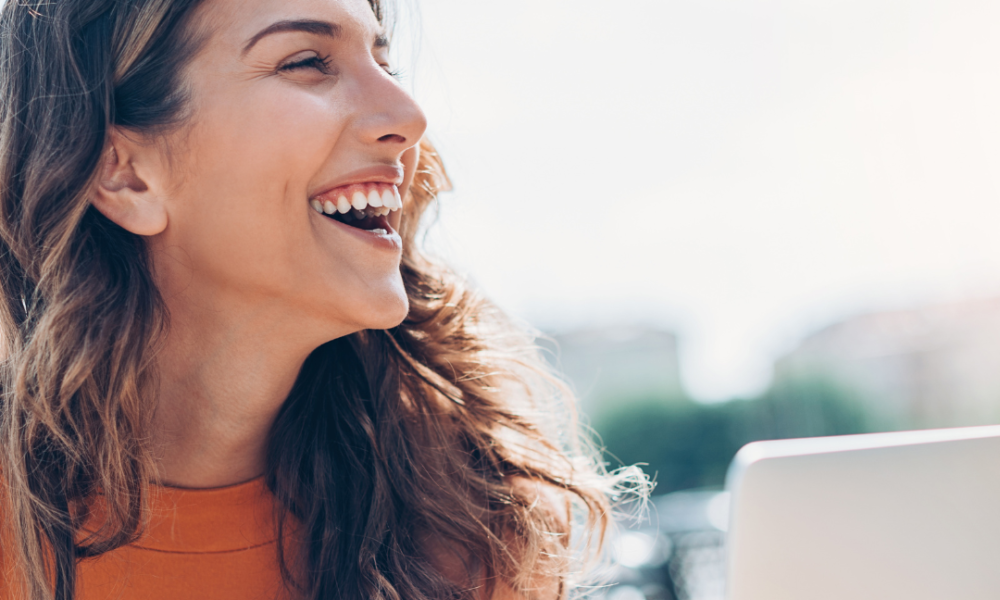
[(379, 231)]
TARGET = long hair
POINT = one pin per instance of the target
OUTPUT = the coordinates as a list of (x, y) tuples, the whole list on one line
[(396, 451)]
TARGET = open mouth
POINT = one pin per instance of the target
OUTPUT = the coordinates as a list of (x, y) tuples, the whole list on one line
[(360, 205)]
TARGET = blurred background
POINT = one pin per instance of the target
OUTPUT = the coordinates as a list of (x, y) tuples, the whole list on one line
[(736, 220)]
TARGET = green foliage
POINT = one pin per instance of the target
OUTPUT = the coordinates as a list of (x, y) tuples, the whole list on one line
[(690, 445)]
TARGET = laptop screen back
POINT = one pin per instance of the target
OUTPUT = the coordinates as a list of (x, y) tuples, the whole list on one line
[(909, 515)]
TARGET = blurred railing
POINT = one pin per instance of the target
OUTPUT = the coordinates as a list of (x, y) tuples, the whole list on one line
[(678, 553)]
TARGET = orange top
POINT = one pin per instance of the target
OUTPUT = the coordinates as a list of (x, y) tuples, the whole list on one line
[(217, 544)]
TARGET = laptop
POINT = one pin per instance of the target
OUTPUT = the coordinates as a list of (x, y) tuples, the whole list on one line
[(907, 515)]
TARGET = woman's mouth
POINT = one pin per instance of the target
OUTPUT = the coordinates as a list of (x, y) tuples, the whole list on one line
[(360, 205)]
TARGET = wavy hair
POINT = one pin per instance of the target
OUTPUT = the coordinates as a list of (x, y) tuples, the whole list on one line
[(396, 454)]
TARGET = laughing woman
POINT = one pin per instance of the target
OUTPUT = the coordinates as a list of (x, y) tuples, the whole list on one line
[(228, 371)]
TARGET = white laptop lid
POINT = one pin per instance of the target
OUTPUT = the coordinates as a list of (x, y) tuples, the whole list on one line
[(908, 515)]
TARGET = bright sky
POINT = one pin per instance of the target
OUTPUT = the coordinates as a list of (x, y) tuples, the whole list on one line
[(740, 171)]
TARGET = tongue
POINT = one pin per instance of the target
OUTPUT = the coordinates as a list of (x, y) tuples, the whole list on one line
[(367, 223)]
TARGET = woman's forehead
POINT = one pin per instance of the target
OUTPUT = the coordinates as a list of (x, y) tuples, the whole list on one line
[(239, 22)]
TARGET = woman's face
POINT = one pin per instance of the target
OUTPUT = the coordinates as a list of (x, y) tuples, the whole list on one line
[(292, 108)]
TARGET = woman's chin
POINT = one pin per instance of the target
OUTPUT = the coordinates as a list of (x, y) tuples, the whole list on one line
[(392, 317), (339, 309), (384, 310)]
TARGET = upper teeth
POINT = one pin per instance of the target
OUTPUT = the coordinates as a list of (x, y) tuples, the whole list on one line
[(358, 201), (372, 204)]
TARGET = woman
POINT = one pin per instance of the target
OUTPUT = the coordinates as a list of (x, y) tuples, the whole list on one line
[(229, 372)]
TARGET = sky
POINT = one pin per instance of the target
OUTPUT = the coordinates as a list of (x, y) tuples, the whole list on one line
[(742, 172)]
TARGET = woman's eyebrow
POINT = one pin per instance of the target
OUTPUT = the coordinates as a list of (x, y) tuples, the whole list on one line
[(324, 28)]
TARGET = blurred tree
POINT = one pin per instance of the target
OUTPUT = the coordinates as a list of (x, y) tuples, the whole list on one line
[(689, 445), (801, 407), (683, 443)]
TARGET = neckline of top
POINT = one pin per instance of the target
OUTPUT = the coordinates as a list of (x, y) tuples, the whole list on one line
[(208, 520)]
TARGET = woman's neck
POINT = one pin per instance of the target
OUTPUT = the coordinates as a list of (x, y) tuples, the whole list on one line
[(224, 375)]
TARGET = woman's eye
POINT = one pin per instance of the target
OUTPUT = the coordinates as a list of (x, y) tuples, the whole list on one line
[(392, 72), (321, 64)]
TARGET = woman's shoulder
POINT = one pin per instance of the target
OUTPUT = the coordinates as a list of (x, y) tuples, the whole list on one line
[(550, 506)]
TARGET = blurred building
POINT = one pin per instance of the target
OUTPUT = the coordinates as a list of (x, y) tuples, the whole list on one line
[(614, 364), (936, 366)]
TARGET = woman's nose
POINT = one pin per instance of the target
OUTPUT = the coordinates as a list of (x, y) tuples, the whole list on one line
[(389, 116)]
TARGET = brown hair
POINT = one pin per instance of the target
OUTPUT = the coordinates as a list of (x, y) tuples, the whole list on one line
[(388, 440)]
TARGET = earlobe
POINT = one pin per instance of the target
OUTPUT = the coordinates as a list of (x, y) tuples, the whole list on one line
[(122, 195)]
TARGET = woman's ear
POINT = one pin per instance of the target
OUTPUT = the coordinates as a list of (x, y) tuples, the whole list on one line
[(125, 190)]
